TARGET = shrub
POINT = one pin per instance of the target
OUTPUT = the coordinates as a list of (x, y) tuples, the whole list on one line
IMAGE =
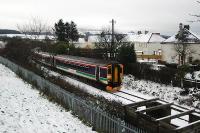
[(61, 48), (143, 71)]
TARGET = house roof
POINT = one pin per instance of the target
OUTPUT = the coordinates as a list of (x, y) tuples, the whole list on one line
[(193, 38), (40, 37), (146, 38)]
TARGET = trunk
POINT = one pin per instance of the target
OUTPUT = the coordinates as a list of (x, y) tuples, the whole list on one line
[(181, 83)]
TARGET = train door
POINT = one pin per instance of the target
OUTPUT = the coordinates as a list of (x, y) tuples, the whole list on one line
[(116, 75), (97, 73)]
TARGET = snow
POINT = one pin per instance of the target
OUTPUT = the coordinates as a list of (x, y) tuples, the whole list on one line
[(146, 38), (40, 37), (171, 39), (23, 109), (194, 76), (164, 92), (192, 38), (156, 38)]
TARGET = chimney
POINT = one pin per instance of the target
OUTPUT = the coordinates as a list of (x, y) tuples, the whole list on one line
[(139, 32), (180, 26), (187, 27)]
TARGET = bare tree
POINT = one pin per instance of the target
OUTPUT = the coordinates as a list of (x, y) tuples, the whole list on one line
[(183, 50), (182, 47), (104, 42), (34, 28)]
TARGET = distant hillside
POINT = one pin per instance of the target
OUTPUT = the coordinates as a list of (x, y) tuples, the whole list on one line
[(7, 31)]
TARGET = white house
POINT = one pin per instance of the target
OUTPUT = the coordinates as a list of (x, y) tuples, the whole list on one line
[(147, 46), (87, 43), (170, 54)]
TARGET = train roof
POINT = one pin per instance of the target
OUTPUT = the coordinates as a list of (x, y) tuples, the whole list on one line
[(87, 60), (82, 59)]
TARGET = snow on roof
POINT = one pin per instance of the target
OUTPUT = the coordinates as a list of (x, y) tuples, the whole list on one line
[(193, 38), (40, 37), (146, 38), (93, 38), (81, 40)]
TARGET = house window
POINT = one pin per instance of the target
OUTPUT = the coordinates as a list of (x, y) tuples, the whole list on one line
[(190, 59)]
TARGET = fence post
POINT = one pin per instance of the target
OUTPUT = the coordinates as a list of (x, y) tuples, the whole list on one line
[(91, 116), (72, 107), (195, 84), (119, 126)]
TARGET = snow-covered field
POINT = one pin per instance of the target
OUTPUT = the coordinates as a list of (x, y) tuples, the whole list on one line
[(24, 110), (167, 93)]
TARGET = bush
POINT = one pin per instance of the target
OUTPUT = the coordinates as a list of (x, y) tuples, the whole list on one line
[(20, 49), (196, 62), (143, 71), (61, 48)]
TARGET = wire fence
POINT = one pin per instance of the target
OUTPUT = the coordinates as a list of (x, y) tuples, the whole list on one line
[(191, 83), (91, 115)]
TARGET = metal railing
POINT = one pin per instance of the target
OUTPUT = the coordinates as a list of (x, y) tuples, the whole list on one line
[(90, 114)]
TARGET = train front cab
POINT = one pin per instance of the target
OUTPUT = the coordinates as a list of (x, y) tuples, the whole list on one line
[(114, 77)]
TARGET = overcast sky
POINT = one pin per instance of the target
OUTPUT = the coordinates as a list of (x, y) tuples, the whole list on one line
[(131, 15)]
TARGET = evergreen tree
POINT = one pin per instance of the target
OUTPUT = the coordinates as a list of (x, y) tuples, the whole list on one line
[(66, 32), (60, 30), (73, 32), (127, 54)]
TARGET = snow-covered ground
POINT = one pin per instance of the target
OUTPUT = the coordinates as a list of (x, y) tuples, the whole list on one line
[(193, 76), (24, 110), (165, 92)]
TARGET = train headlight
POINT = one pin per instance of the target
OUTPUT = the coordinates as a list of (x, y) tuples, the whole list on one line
[(109, 78)]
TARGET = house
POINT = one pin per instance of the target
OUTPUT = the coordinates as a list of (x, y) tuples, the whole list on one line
[(147, 46), (88, 42), (171, 45)]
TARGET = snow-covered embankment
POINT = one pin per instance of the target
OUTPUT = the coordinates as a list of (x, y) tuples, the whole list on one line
[(23, 109)]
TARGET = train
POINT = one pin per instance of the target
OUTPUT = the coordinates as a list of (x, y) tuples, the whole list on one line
[(107, 73)]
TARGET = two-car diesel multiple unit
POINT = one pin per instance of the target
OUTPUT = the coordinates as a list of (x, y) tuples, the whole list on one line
[(108, 74)]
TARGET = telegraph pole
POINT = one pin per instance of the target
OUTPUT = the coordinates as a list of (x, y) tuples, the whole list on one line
[(113, 39)]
